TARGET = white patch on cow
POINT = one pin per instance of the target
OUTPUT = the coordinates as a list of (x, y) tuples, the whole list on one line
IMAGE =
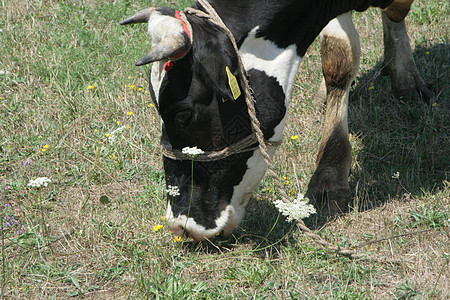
[(198, 232), (256, 168), (169, 213), (281, 63), (160, 26), (156, 77), (341, 27)]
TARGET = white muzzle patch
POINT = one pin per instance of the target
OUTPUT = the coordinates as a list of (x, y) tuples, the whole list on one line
[(184, 226)]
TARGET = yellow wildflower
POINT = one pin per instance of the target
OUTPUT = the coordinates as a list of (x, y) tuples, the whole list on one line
[(130, 113), (427, 53), (151, 105), (163, 218), (435, 104), (177, 239), (140, 89), (118, 122), (371, 87), (107, 135), (294, 137), (92, 86), (156, 228), (46, 146)]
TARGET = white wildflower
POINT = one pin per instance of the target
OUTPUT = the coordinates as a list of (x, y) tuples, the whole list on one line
[(113, 135), (192, 151), (40, 181), (396, 175), (173, 190), (298, 209)]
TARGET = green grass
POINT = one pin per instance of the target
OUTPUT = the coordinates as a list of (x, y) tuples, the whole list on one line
[(68, 79)]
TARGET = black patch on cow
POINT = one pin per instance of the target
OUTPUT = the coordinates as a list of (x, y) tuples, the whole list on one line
[(153, 95), (270, 98), (167, 11), (213, 51)]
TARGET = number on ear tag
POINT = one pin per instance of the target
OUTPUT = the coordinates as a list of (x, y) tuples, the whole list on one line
[(232, 82)]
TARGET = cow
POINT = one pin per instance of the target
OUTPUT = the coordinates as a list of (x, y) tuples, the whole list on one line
[(194, 83)]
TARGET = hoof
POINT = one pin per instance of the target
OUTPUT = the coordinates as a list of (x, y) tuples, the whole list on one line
[(330, 202), (420, 93)]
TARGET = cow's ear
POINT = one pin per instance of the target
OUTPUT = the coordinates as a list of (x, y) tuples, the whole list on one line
[(223, 77), (216, 61)]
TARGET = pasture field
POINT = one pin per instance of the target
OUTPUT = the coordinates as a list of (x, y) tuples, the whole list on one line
[(75, 109)]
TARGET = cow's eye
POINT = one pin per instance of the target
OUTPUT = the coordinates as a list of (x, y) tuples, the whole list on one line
[(183, 118)]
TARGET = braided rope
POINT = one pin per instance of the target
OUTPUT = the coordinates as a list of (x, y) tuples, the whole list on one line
[(245, 145)]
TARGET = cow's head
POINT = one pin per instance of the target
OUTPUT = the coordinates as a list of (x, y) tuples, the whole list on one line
[(198, 108)]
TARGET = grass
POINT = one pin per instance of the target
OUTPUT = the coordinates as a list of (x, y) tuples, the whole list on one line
[(68, 80)]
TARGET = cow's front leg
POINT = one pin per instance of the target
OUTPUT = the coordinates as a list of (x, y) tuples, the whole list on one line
[(340, 50), (399, 62)]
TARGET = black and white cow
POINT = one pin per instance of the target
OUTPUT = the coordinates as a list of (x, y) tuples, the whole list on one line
[(193, 59)]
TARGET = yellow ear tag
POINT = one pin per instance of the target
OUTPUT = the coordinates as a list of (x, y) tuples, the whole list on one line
[(232, 82)]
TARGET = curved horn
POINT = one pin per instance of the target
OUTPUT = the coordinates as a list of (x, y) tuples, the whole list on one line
[(140, 17), (171, 46)]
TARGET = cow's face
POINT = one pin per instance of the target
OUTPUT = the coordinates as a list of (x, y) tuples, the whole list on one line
[(198, 108)]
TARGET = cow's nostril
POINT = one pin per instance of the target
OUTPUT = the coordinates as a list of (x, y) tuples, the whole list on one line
[(183, 232)]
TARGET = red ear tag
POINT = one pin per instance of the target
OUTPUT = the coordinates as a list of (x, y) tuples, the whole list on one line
[(168, 66)]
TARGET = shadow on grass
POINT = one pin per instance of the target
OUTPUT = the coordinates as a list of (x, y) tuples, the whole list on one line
[(400, 135)]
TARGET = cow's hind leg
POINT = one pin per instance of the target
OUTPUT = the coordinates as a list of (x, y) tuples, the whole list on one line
[(399, 63), (340, 50)]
